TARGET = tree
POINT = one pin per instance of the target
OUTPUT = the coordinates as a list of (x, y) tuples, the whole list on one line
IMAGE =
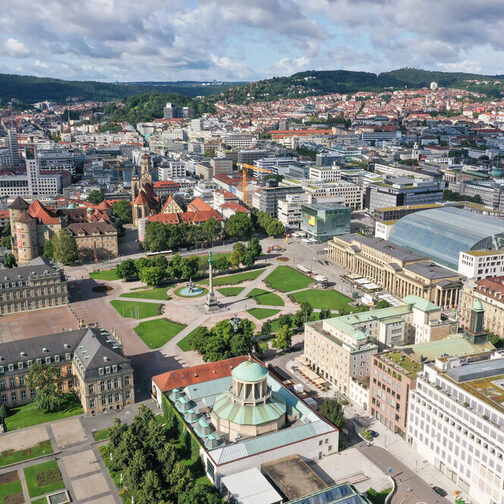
[(200, 493), (303, 315), (5, 242), (275, 228), (211, 230), (180, 479), (234, 259), (127, 269), (263, 220), (43, 378), (95, 197), (142, 262), (283, 338), (221, 263), (248, 259), (285, 319), (239, 226), (150, 488), (65, 247), (324, 314), (496, 340), (332, 409), (9, 261), (382, 304), (116, 432), (266, 328), (151, 275), (122, 210), (49, 249), (240, 248), (254, 246), (156, 237), (136, 469), (199, 338), (159, 261), (190, 267)]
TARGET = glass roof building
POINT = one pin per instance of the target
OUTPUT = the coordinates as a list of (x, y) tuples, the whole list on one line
[(442, 233)]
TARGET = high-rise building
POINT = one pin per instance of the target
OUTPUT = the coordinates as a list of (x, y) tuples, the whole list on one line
[(171, 111), (12, 137)]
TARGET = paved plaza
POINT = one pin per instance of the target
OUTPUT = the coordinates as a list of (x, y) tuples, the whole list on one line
[(68, 432)]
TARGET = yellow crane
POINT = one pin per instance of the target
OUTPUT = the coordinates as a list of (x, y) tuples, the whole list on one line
[(244, 168)]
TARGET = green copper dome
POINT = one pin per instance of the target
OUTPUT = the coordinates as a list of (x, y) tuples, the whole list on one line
[(477, 306), (249, 371)]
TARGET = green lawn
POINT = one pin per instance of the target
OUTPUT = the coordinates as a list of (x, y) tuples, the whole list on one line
[(27, 415), (230, 291), (158, 293), (108, 275), (155, 333), (236, 278), (286, 279), (11, 456), (11, 489), (101, 434), (183, 344), (328, 299), (203, 260), (42, 500), (264, 297), (43, 478), (262, 313), (136, 309)]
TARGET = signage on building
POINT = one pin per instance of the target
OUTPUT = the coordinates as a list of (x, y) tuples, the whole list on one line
[(19, 236)]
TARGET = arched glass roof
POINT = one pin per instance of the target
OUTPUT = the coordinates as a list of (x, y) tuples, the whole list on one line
[(442, 233)]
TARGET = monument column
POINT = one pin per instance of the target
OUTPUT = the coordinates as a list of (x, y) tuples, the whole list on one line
[(211, 303)]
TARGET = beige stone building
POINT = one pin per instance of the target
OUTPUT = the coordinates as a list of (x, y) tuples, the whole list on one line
[(397, 269), (37, 284), (490, 293), (90, 361)]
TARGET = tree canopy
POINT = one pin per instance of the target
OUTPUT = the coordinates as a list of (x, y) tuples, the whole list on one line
[(95, 197), (65, 247)]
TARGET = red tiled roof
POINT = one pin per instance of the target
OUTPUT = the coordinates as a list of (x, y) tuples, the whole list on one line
[(198, 205), (38, 211), (202, 216), (171, 218), (233, 205), (141, 199), (103, 206), (197, 374), (165, 183), (4, 214)]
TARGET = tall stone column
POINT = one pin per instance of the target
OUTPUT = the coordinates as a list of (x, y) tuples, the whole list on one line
[(211, 303)]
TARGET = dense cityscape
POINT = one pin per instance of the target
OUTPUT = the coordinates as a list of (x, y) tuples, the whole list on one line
[(288, 290)]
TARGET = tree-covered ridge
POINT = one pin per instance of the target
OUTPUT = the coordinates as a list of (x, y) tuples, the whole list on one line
[(148, 106), (343, 81), (31, 89)]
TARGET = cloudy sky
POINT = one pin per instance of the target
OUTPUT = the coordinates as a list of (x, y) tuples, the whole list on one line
[(137, 40)]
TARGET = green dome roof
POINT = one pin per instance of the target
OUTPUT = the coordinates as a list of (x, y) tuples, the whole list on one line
[(249, 371), (477, 306)]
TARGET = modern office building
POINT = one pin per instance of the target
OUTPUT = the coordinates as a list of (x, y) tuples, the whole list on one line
[(91, 363), (456, 421), (221, 166), (443, 233), (248, 156), (242, 416), (171, 169), (267, 200), (171, 111), (38, 284), (348, 194), (479, 264), (399, 270), (12, 139), (323, 221), (325, 173), (289, 210), (489, 292), (401, 191), (398, 212)]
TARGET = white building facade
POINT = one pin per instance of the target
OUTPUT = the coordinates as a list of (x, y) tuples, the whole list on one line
[(479, 264)]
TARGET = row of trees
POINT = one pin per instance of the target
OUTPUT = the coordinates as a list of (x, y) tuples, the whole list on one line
[(153, 271), (152, 459)]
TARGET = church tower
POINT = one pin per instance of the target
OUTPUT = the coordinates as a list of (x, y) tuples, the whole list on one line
[(476, 331)]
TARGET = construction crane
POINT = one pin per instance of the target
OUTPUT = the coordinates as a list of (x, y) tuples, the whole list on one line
[(244, 168)]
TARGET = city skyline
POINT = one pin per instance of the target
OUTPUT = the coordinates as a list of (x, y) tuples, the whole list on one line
[(204, 40)]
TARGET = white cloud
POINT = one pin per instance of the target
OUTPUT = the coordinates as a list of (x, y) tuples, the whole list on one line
[(15, 48)]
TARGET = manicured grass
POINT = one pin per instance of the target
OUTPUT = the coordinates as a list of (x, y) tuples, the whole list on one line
[(11, 489), (262, 313), (236, 278), (264, 297), (155, 333), (203, 260), (136, 309), (286, 279), (101, 434), (328, 299), (183, 344), (158, 293), (230, 291), (378, 497), (178, 293), (108, 275), (11, 456), (43, 478), (27, 415), (42, 500)]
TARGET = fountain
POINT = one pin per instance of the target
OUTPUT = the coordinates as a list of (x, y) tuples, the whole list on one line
[(190, 290)]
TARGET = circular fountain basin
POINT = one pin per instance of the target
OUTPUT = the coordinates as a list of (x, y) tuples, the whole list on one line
[(196, 291)]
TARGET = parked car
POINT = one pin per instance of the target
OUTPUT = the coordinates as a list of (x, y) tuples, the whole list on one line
[(440, 491)]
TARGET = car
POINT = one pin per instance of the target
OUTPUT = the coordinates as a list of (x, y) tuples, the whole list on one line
[(440, 491), (373, 433)]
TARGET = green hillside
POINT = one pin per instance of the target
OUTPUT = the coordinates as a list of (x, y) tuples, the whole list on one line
[(31, 89)]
